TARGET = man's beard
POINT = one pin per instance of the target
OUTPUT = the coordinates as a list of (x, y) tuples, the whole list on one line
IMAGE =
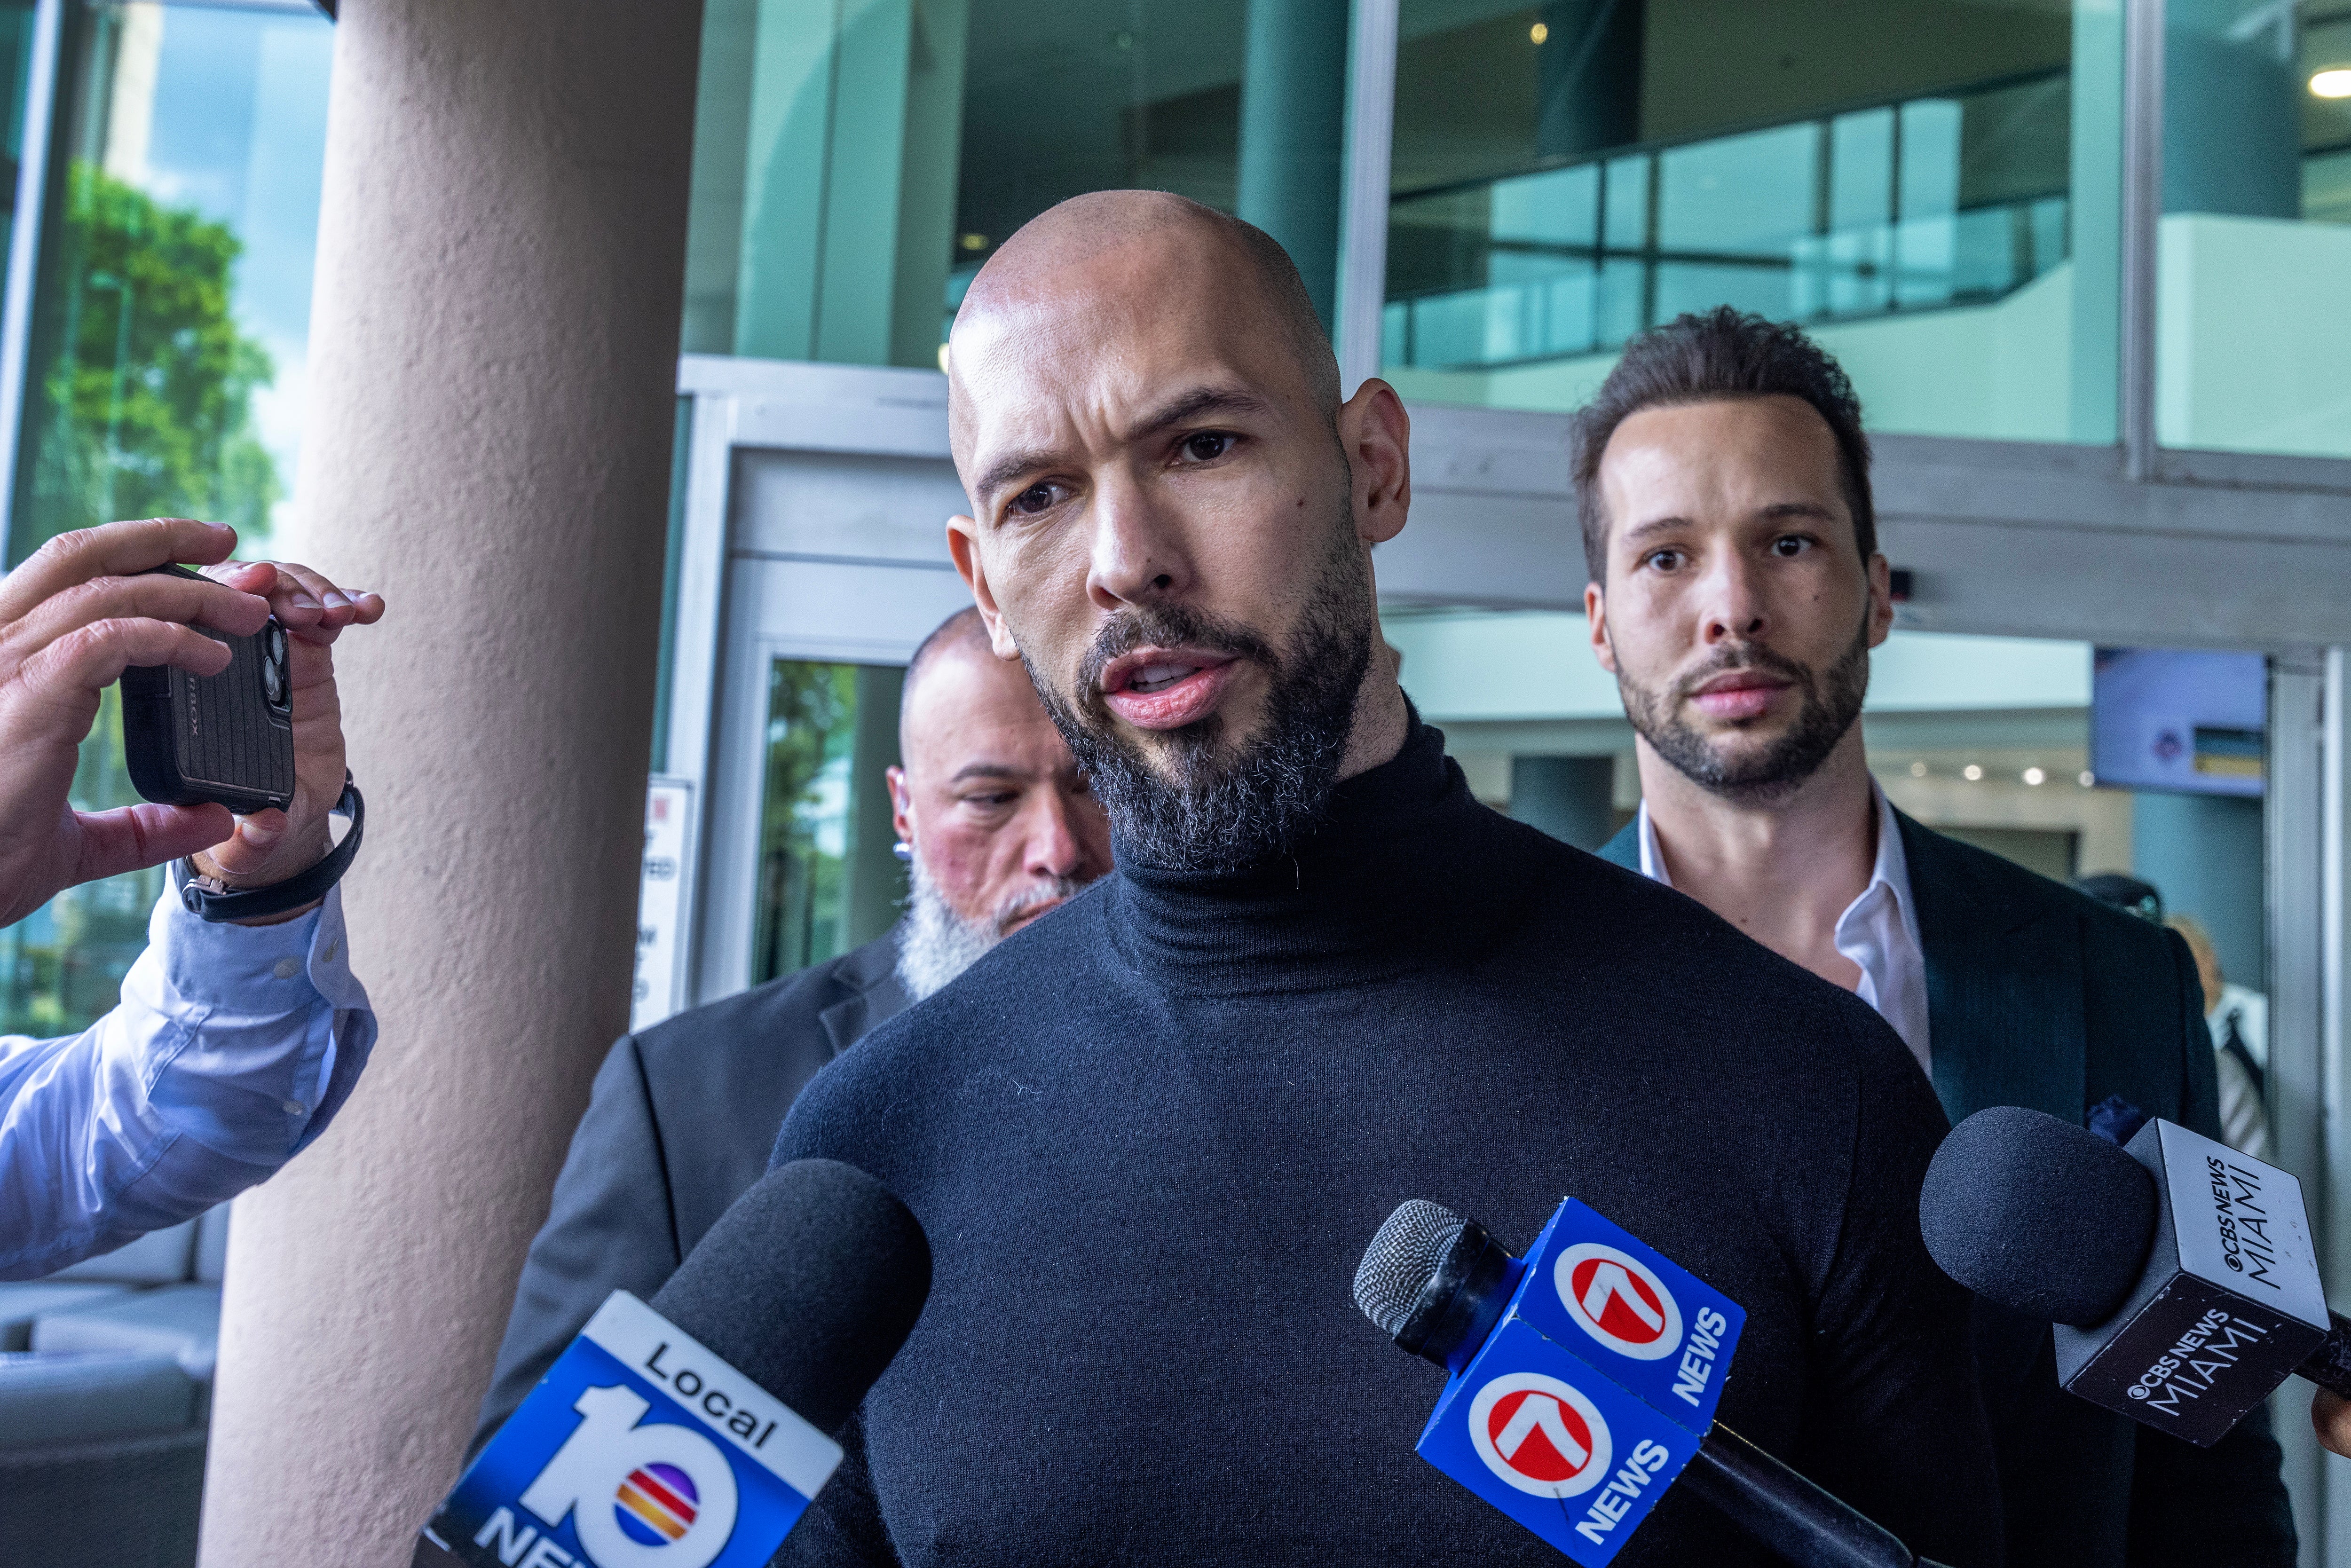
[(1229, 804), (935, 943), (1832, 701)]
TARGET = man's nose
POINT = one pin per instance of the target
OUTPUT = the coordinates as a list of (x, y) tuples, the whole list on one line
[(1052, 847), (1138, 557), (1731, 602)]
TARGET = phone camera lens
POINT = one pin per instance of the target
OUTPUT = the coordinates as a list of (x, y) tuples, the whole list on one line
[(273, 680), (277, 644)]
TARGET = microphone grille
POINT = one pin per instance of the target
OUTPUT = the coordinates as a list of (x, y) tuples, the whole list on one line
[(1401, 1260)]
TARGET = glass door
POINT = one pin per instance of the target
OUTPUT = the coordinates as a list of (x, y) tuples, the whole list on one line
[(812, 561)]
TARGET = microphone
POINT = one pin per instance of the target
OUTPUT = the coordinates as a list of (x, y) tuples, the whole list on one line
[(1586, 1377), (695, 1431), (2179, 1273)]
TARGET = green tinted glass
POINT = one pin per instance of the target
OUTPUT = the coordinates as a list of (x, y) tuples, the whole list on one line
[(828, 880)]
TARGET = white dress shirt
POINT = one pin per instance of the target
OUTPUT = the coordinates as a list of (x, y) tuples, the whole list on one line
[(231, 1049), (1879, 931), (2244, 1121)]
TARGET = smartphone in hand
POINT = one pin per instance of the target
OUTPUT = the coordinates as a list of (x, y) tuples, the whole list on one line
[(228, 739)]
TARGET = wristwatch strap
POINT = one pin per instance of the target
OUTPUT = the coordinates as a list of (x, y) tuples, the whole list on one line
[(208, 898)]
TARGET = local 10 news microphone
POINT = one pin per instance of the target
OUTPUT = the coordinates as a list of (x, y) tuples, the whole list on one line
[(2179, 1273), (693, 1433), (1583, 1384)]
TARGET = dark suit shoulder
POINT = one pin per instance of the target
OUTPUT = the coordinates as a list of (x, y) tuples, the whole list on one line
[(1954, 877), (780, 1015)]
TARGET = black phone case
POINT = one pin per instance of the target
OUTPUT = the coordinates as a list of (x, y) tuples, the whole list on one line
[(227, 738)]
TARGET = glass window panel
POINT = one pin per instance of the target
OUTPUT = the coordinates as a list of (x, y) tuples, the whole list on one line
[(169, 320), (1861, 169), (1559, 208), (1931, 158), (2253, 350), (1624, 214), (1842, 164), (1624, 306), (855, 166), (1740, 193), (828, 880), (1700, 285)]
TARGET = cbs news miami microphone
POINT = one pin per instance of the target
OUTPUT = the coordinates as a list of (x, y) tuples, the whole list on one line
[(1583, 1384), (2179, 1273), (695, 1432)]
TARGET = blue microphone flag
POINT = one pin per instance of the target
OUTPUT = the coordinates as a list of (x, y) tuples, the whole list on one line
[(1593, 1392), (639, 1448)]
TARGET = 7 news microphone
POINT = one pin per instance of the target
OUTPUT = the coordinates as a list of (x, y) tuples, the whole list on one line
[(695, 1432), (1583, 1384), (2179, 1273)]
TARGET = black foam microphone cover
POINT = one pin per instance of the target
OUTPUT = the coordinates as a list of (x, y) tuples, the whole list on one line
[(807, 1286), (2038, 1215)]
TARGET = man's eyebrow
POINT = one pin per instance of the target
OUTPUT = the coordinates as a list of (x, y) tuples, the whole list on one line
[(1776, 511), (1654, 525), (1185, 407), (1178, 409), (984, 771), (1799, 509), (1005, 470)]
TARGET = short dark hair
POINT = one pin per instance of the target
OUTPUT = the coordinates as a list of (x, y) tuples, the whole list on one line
[(1721, 354)]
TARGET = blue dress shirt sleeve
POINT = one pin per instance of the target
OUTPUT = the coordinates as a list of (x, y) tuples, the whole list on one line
[(232, 1048)]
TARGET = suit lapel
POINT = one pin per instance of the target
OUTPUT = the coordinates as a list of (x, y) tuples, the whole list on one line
[(1624, 849), (2005, 1020), (876, 997)]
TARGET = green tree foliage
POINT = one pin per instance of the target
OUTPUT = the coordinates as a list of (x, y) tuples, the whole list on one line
[(812, 727), (149, 396), (146, 411)]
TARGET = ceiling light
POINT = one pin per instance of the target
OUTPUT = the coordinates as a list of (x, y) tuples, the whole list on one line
[(2335, 81), (1918, 770), (2034, 775), (1540, 31), (2085, 779), (1971, 773)]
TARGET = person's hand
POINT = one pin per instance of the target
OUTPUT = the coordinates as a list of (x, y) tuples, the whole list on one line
[(2330, 1414), (73, 617), (271, 846)]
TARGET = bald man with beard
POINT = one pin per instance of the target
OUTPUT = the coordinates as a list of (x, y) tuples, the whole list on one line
[(1149, 1138)]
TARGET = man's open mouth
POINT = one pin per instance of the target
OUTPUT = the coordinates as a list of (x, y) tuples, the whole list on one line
[(1167, 688)]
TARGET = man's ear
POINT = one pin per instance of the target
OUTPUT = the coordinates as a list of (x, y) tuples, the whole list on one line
[(1376, 434), (1881, 599), (1595, 613), (901, 804), (963, 546)]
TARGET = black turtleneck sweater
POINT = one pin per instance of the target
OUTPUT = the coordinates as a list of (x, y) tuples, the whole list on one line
[(1150, 1136)]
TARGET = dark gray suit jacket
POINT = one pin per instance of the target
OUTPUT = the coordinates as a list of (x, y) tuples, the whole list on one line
[(2038, 995), (679, 1126)]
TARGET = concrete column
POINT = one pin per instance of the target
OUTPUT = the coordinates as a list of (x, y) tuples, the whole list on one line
[(1293, 125), (492, 369), (1573, 798)]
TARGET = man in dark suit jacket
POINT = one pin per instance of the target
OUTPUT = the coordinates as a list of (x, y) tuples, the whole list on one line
[(1734, 591), (998, 828)]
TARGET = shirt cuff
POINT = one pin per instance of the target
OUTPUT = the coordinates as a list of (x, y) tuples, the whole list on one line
[(265, 1021)]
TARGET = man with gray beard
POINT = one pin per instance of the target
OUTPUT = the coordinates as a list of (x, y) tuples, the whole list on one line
[(999, 827), (1736, 592)]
